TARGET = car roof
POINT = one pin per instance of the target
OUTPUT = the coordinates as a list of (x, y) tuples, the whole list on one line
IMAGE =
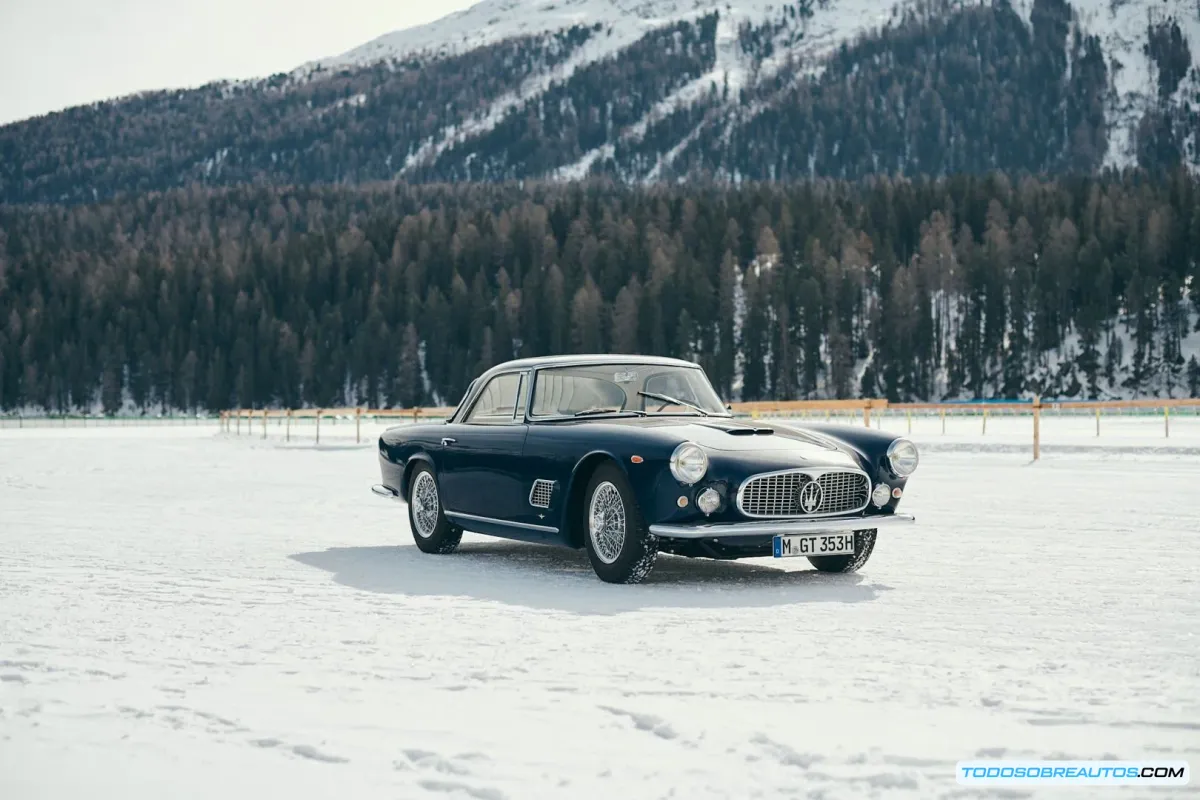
[(544, 362)]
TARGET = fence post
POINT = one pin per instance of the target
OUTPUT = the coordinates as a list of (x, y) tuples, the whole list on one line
[(1167, 420), (358, 426), (1097, 420), (264, 423), (942, 411), (985, 416), (289, 426), (319, 425), (867, 415), (238, 414), (908, 413), (1037, 427)]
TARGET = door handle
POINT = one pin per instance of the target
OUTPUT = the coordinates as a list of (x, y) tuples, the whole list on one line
[(447, 441)]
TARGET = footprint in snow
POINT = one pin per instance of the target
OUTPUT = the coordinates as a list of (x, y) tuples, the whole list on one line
[(454, 787), (310, 752), (429, 760), (783, 754), (645, 722)]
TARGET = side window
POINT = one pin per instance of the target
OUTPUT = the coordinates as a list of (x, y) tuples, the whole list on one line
[(497, 402)]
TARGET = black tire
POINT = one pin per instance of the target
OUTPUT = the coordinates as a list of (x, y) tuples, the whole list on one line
[(632, 561), (864, 545), (442, 537)]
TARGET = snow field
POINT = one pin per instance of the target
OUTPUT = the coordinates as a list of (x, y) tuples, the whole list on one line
[(188, 614)]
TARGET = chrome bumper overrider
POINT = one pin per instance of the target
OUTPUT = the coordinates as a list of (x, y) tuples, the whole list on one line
[(764, 527), (385, 491)]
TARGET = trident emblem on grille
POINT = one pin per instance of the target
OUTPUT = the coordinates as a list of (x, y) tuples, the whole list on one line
[(810, 497)]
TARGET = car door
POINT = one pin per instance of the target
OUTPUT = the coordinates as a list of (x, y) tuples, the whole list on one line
[(481, 473)]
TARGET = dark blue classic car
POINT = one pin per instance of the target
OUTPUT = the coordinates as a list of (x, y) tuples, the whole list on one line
[(629, 456)]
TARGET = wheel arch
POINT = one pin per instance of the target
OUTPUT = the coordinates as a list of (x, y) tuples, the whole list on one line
[(577, 486), (419, 457)]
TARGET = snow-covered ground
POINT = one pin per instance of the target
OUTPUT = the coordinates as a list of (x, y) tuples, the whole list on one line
[(192, 615)]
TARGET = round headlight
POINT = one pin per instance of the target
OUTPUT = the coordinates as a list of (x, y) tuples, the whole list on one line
[(882, 495), (903, 457), (689, 463)]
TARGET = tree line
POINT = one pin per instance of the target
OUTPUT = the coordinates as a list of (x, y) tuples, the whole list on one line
[(398, 295)]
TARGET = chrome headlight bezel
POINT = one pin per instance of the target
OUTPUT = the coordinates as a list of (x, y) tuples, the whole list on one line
[(689, 463), (903, 458)]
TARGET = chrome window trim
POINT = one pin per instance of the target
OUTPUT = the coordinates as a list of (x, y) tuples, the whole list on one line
[(814, 473), (513, 420), (494, 521), (522, 386)]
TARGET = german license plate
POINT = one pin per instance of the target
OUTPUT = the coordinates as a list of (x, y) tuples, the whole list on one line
[(816, 544)]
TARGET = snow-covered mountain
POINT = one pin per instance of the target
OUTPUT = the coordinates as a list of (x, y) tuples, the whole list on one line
[(803, 31), (665, 90)]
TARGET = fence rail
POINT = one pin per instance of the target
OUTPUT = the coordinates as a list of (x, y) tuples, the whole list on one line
[(232, 421)]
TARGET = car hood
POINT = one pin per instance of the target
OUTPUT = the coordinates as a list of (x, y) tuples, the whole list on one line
[(763, 440)]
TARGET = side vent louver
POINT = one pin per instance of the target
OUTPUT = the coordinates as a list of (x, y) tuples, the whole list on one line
[(540, 494)]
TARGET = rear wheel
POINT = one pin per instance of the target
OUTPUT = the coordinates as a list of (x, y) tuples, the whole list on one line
[(864, 545), (619, 543), (432, 532)]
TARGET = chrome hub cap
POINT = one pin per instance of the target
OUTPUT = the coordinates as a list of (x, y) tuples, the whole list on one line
[(424, 505), (606, 522)]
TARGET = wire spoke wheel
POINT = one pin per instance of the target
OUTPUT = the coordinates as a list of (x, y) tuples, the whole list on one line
[(606, 522), (425, 505)]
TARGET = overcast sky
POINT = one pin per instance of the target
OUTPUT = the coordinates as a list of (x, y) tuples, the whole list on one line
[(60, 53)]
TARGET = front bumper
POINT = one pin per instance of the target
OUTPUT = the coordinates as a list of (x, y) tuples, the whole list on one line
[(777, 527)]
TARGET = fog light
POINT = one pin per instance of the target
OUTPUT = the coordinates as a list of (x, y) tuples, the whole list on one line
[(708, 501), (881, 495)]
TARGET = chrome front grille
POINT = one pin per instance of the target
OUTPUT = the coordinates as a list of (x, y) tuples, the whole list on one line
[(778, 494)]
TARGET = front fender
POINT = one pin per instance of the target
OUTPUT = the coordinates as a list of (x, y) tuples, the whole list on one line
[(581, 473), (870, 446), (655, 489)]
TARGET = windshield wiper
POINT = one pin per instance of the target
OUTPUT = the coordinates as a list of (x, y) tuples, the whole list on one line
[(587, 412), (673, 401)]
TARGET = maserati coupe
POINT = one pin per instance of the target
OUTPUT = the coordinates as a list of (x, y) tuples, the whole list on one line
[(632, 456)]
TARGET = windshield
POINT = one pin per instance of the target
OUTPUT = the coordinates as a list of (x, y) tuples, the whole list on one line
[(598, 388)]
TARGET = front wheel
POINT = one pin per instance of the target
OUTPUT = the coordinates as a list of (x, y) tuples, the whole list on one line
[(864, 545), (619, 543), (432, 532)]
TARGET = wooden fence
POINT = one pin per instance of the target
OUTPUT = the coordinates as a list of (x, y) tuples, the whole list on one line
[(234, 421)]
